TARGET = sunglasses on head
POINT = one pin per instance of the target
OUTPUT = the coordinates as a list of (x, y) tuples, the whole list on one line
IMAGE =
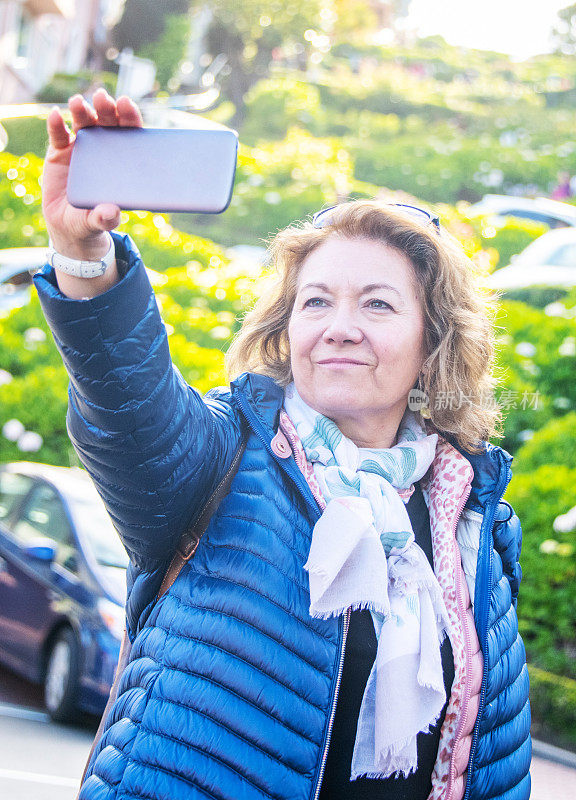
[(325, 217)]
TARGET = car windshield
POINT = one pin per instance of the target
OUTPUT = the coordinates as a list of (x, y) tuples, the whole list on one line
[(541, 253), (97, 532)]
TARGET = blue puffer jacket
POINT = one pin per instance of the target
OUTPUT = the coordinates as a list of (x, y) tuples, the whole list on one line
[(231, 683)]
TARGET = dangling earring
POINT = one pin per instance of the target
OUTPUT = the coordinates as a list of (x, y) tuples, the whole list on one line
[(424, 408)]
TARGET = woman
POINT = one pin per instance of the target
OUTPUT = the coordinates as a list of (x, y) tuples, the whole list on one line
[(347, 628)]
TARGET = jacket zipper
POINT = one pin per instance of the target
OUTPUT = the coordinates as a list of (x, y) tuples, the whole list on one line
[(306, 492), (462, 610), (333, 709), (483, 616)]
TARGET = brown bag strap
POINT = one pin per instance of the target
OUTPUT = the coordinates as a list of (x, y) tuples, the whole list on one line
[(184, 552), (191, 538)]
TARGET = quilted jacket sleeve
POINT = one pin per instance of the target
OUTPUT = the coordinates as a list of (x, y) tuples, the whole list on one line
[(509, 534), (152, 445)]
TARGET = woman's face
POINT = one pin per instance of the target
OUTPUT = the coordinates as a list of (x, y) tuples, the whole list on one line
[(357, 337)]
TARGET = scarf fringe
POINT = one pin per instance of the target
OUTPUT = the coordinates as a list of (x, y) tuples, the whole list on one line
[(381, 775), (359, 606), (392, 753)]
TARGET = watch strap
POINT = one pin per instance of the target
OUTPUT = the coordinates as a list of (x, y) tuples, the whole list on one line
[(79, 268)]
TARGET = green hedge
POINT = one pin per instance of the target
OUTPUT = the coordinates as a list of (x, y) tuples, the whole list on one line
[(21, 220), (555, 443), (548, 591), (509, 236), (64, 84), (536, 367), (535, 296), (553, 704), (26, 135)]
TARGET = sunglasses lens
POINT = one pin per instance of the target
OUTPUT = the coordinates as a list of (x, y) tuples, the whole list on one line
[(323, 218), (420, 214)]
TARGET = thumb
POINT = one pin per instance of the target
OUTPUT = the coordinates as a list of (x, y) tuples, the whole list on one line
[(105, 217)]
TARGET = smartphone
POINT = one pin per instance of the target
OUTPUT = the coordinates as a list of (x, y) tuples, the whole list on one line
[(154, 169)]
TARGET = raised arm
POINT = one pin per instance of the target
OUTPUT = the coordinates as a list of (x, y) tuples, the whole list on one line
[(74, 232), (152, 445)]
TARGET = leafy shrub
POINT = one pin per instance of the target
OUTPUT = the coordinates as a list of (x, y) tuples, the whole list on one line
[(64, 84), (276, 104), (201, 367), (535, 296), (548, 591), (38, 400), (536, 362), (25, 341), (553, 705), (555, 443), (163, 246), (276, 184), (168, 51), (509, 236), (21, 221), (26, 135)]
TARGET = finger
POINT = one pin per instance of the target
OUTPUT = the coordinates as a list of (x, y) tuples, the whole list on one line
[(59, 135), (128, 113), (83, 115), (105, 217), (105, 108)]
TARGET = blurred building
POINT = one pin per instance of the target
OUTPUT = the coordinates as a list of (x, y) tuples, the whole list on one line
[(390, 13), (39, 38)]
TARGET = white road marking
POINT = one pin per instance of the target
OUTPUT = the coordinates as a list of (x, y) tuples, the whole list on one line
[(35, 777), (7, 710)]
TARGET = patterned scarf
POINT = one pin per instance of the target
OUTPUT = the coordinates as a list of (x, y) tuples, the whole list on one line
[(363, 555)]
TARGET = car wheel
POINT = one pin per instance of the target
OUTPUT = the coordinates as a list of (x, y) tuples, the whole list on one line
[(62, 677)]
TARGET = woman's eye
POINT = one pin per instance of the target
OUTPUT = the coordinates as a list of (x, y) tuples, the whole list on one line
[(314, 302), (375, 303)]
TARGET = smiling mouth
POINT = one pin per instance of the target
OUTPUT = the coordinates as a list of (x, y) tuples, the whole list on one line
[(341, 362)]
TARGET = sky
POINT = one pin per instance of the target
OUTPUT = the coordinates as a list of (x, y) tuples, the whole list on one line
[(519, 27)]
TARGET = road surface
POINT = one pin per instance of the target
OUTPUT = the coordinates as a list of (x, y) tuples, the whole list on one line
[(43, 761)]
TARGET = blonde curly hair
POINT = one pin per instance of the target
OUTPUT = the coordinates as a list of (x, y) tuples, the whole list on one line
[(459, 312)]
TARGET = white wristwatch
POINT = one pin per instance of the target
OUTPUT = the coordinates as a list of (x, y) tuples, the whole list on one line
[(81, 269)]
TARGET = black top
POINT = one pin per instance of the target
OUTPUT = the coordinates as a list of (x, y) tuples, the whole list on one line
[(358, 660)]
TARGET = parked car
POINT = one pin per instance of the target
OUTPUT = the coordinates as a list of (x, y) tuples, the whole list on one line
[(548, 261), (62, 586), (18, 265), (540, 209)]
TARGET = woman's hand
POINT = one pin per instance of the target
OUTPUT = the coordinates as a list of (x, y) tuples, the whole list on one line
[(75, 232)]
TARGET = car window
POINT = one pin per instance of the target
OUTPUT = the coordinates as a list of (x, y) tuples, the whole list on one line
[(537, 216), (544, 251), (43, 515), (13, 489), (564, 256), (17, 282), (97, 531)]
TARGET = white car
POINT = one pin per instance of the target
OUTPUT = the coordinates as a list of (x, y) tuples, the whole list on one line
[(540, 209), (18, 265), (550, 260)]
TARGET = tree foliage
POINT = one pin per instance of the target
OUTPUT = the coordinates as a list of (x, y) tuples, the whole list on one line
[(143, 22), (248, 33), (564, 32)]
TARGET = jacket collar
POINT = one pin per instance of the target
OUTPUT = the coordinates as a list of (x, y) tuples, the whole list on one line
[(491, 467)]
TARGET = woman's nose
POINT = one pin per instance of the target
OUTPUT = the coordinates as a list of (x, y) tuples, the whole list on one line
[(342, 327)]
